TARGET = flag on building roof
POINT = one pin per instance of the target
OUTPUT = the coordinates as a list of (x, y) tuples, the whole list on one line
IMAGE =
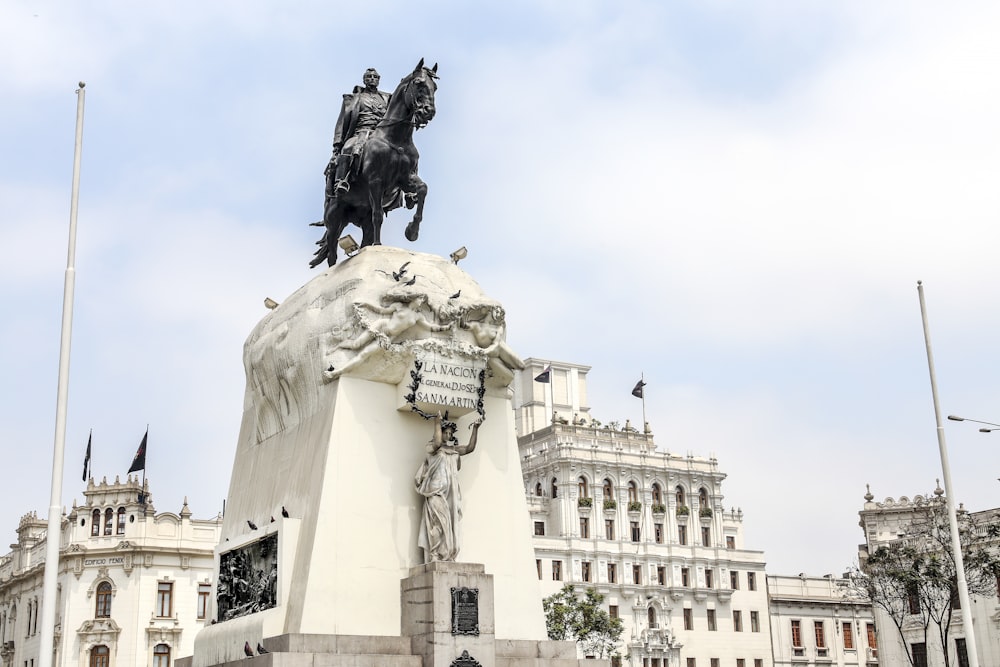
[(139, 460), (545, 375), (86, 458), (637, 390)]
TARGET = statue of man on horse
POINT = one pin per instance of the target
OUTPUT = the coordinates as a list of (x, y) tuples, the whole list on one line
[(374, 165), (360, 113)]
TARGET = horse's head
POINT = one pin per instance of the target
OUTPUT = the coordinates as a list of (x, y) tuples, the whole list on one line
[(418, 90)]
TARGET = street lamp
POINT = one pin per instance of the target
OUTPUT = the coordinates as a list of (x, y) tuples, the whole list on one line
[(956, 543), (996, 427)]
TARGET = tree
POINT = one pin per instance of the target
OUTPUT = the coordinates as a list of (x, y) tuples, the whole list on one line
[(913, 579), (569, 617)]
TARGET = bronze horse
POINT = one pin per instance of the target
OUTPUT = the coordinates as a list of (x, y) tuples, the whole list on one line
[(387, 176)]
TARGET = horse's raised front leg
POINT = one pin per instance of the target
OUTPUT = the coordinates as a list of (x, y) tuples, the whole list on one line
[(416, 195)]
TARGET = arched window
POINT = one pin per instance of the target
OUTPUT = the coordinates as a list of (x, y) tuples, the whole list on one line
[(161, 656), (103, 607), (100, 656), (651, 617), (702, 497), (584, 491), (609, 490), (538, 489), (657, 494), (121, 521), (633, 492), (95, 523), (109, 521), (679, 493), (555, 488)]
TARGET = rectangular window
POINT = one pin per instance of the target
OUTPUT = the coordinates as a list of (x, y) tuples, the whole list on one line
[(820, 634), (872, 639), (585, 570), (658, 532), (797, 634), (204, 593), (734, 580), (740, 662), (682, 535), (557, 570), (706, 536), (712, 625), (691, 662), (961, 652), (751, 581), (730, 542), (613, 610), (637, 574), (121, 521), (688, 620), (848, 629), (609, 529), (737, 621), (634, 525), (714, 662), (754, 621), (584, 527), (539, 528), (164, 599), (685, 577), (919, 653), (758, 662), (709, 579), (612, 573), (538, 566), (661, 575)]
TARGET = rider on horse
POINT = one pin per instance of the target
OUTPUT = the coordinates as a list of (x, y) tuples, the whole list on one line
[(361, 112)]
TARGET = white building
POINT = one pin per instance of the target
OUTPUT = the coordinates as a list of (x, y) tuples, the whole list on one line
[(646, 528), (134, 587), (887, 522), (815, 622)]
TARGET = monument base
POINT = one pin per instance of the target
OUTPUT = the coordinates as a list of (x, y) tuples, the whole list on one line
[(447, 612)]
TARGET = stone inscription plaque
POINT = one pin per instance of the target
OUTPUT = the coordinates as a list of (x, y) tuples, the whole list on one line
[(443, 383), (465, 611)]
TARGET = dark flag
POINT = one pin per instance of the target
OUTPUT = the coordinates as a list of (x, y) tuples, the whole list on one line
[(544, 375), (86, 459), (139, 462), (637, 390)]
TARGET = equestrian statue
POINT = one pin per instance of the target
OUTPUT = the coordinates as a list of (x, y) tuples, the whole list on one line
[(374, 165)]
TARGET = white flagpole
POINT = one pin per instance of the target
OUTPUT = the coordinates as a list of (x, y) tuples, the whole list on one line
[(642, 379), (956, 545), (54, 533)]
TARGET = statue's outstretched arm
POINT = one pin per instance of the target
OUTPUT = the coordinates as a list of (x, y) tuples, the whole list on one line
[(473, 439)]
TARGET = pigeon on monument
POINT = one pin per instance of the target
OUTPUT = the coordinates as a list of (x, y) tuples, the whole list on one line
[(247, 650), (284, 512), (261, 650), (456, 295), (252, 525)]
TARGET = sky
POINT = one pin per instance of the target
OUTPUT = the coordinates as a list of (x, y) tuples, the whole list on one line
[(734, 200)]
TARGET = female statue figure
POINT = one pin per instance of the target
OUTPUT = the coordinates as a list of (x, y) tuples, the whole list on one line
[(437, 482)]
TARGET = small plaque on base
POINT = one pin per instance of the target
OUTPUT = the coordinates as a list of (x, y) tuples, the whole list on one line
[(465, 611)]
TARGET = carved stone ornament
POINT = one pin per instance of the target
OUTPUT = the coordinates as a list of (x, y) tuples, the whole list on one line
[(370, 318), (465, 660)]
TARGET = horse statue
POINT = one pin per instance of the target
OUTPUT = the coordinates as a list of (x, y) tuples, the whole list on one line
[(386, 177)]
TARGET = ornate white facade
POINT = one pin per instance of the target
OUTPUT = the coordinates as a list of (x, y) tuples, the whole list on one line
[(647, 528), (134, 587), (886, 522)]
